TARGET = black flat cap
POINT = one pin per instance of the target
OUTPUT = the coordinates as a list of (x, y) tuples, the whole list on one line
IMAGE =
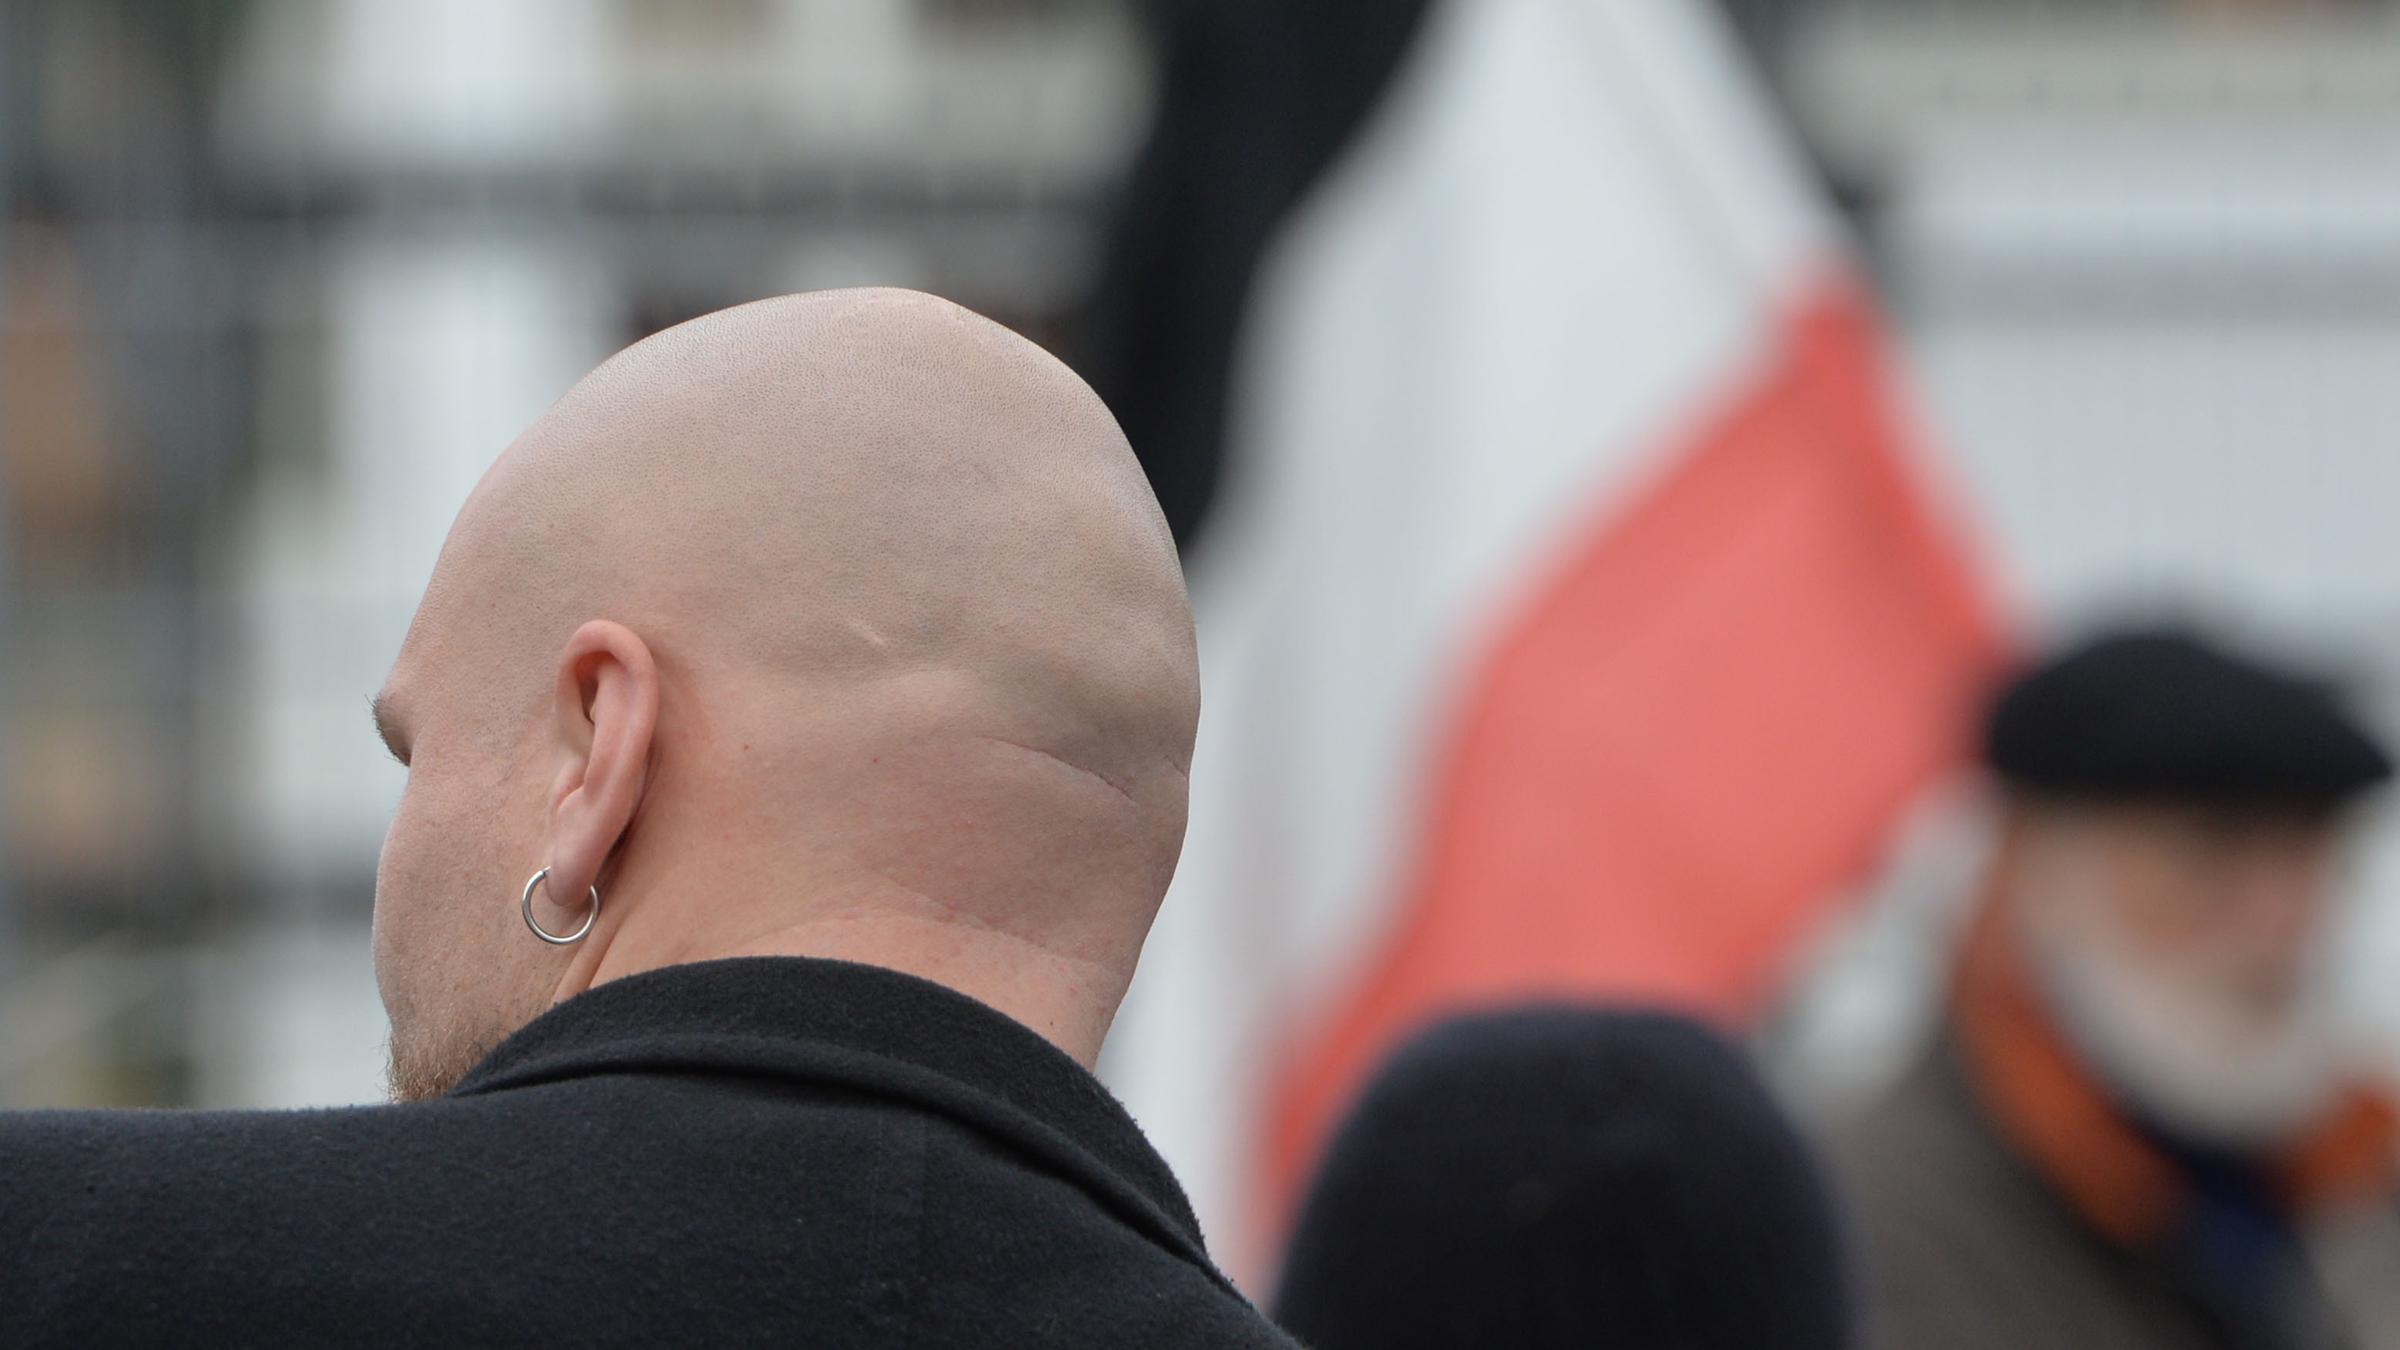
[(1566, 1177), (2165, 714)]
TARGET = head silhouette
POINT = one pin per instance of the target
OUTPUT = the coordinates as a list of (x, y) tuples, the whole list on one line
[(1554, 1178)]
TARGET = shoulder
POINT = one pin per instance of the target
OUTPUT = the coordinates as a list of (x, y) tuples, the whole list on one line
[(95, 1153), (1960, 1246), (1950, 1234), (185, 1207), (1016, 1253), (1923, 1153), (636, 1207)]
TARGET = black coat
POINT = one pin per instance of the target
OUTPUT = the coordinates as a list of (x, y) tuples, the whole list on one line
[(738, 1152)]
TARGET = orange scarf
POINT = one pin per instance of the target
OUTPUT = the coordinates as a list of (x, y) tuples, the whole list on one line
[(2056, 1116)]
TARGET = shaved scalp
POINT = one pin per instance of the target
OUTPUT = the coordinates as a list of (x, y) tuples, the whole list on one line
[(840, 484), (924, 657)]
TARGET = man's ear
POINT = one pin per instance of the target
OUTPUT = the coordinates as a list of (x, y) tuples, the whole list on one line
[(605, 710)]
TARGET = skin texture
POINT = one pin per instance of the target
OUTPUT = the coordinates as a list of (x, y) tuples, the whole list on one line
[(840, 625), (2183, 947)]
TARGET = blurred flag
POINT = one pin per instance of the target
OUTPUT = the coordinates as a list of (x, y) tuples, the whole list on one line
[(1571, 621)]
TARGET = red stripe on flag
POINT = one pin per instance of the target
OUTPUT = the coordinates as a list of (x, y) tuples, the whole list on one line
[(1693, 738)]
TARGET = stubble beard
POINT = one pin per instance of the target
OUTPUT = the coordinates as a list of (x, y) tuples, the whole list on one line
[(421, 1067), (436, 1043)]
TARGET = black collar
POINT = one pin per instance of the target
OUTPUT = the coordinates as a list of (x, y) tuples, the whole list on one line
[(869, 1029)]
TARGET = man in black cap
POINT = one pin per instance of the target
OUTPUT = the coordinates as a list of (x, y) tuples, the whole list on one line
[(1566, 1177), (2136, 1128)]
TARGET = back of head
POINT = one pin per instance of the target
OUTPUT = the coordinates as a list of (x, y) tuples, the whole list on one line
[(840, 624), (1565, 1177)]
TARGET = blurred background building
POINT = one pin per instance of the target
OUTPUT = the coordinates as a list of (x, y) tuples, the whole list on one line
[(281, 279), (282, 276)]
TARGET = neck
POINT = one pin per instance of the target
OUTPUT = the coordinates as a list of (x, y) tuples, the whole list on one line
[(1069, 1000)]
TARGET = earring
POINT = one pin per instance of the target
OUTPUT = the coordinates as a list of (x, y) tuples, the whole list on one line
[(525, 907)]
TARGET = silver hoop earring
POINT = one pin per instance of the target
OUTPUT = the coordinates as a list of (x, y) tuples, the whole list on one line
[(525, 907)]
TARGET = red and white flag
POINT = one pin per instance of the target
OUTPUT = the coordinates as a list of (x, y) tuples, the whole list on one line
[(1571, 619)]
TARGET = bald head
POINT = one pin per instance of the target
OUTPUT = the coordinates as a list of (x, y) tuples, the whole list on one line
[(838, 624)]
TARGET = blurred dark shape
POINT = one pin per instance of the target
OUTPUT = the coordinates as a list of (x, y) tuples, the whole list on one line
[(2163, 715), (1256, 99), (1566, 1177), (2137, 1128)]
